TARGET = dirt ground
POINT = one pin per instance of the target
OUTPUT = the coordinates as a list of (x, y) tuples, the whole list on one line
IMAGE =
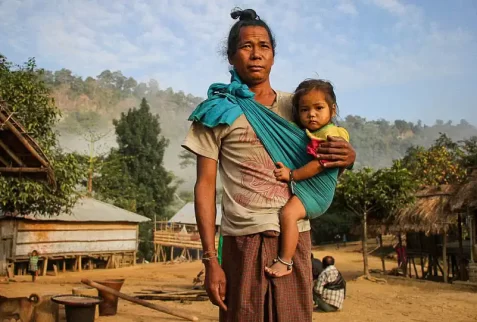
[(399, 300)]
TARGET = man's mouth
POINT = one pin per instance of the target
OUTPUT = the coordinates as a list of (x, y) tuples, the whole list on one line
[(255, 68)]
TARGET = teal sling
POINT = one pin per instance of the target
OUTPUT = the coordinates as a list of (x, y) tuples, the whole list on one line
[(283, 141)]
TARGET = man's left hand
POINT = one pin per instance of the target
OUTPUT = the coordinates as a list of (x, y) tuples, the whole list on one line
[(338, 152), (282, 173)]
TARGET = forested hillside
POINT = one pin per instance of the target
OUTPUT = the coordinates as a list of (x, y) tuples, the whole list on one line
[(89, 105)]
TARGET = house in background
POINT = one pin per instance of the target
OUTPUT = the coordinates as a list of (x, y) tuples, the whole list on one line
[(180, 235), (94, 234)]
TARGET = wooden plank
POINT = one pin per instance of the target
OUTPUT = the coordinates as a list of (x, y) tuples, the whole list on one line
[(31, 225), (76, 247), (25, 237), (11, 154), (444, 256), (45, 266)]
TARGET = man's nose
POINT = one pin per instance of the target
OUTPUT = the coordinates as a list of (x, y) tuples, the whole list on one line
[(255, 53)]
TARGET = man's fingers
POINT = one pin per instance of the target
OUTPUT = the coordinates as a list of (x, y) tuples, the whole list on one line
[(222, 296), (279, 165), (334, 157), (325, 150), (335, 144), (335, 138)]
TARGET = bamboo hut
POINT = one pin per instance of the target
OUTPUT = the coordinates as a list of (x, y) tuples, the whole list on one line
[(180, 235), (465, 201), (20, 155), (427, 223)]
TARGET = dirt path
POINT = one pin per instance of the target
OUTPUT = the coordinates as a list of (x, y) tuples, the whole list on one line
[(366, 301)]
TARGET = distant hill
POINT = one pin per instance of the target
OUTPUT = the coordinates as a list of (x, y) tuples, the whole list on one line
[(89, 105)]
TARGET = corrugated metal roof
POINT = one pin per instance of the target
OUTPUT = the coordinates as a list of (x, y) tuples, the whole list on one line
[(187, 215), (89, 209)]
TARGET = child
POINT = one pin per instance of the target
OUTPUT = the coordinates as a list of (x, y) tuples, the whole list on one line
[(314, 107), (33, 265)]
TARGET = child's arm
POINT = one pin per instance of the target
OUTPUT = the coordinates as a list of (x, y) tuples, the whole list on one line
[(312, 168)]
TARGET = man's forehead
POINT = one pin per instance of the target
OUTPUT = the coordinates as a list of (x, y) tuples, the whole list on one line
[(254, 33)]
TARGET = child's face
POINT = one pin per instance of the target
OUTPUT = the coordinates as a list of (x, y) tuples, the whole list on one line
[(314, 111)]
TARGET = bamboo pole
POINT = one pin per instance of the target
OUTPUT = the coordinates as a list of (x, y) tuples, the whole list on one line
[(444, 255), (160, 308)]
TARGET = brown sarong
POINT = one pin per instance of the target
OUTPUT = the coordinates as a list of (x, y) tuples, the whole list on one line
[(254, 297)]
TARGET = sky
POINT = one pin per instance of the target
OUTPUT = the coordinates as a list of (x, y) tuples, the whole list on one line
[(391, 59)]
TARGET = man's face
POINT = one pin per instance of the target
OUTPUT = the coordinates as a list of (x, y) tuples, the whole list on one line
[(253, 59)]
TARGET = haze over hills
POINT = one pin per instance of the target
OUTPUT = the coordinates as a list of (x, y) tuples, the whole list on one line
[(89, 105)]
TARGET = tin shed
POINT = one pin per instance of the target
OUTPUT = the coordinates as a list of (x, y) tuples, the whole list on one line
[(94, 231)]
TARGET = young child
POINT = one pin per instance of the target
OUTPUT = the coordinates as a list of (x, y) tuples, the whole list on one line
[(314, 107), (33, 265)]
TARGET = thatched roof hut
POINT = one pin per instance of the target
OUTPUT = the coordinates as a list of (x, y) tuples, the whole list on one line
[(20, 155), (466, 196), (430, 213)]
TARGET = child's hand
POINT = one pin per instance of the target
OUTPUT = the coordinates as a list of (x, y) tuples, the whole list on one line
[(281, 173)]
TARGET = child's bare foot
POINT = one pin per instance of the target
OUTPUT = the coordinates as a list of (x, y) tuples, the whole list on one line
[(279, 268)]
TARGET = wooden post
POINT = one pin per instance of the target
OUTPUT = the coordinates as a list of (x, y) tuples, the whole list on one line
[(471, 230), (90, 264), (198, 254), (45, 266), (80, 265), (172, 253), (108, 263), (64, 265), (444, 255), (460, 261), (134, 258), (55, 269)]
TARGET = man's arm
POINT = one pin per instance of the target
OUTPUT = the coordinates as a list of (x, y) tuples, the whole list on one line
[(205, 212), (204, 201), (320, 283)]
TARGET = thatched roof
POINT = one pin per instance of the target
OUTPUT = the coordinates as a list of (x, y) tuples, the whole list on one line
[(20, 155), (466, 195), (430, 212)]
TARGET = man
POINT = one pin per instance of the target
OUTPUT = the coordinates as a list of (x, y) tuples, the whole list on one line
[(252, 197), (330, 288)]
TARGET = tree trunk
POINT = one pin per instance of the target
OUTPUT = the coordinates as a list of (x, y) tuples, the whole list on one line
[(90, 182), (365, 244)]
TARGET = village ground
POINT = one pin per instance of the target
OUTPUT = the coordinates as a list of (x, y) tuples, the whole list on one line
[(399, 300)]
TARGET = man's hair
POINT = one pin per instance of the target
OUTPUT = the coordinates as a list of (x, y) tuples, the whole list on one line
[(328, 261), (247, 18)]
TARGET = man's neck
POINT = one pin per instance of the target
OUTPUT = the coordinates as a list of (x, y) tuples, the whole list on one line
[(264, 93)]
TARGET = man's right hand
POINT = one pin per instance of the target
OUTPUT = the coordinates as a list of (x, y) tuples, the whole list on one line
[(215, 283)]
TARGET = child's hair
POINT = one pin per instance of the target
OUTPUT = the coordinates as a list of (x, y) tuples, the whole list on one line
[(307, 86), (34, 253)]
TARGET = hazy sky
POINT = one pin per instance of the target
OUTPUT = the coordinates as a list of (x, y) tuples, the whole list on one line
[(387, 58)]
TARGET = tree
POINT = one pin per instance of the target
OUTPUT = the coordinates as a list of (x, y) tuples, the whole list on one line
[(141, 147), (469, 158), (28, 96), (440, 164), (187, 159), (378, 194)]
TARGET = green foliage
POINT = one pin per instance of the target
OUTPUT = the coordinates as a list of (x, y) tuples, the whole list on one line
[(139, 137), (375, 194), (469, 157), (28, 96), (440, 164), (133, 176), (187, 159)]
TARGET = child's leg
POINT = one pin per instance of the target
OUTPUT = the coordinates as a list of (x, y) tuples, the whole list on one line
[(289, 215)]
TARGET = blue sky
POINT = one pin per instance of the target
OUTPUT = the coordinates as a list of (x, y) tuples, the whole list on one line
[(392, 59)]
